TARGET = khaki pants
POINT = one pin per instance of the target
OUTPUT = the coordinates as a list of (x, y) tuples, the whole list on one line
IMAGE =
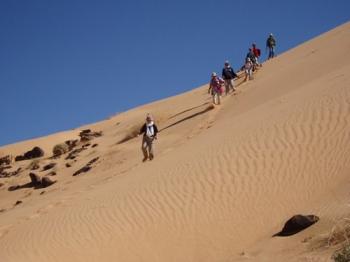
[(147, 147), (229, 84)]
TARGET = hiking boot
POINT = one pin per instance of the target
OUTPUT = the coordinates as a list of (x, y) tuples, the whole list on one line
[(150, 157), (145, 159)]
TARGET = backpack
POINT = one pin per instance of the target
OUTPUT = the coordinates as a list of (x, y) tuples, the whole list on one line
[(271, 41), (258, 52)]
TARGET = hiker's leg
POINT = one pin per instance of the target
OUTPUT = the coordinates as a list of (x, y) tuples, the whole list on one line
[(213, 95), (227, 86), (231, 84), (144, 147), (273, 51), (219, 98), (150, 148)]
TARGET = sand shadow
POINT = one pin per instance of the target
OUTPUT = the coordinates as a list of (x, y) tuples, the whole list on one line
[(27, 185), (188, 117), (187, 110)]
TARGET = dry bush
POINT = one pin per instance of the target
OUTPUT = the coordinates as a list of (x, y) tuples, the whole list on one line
[(342, 255), (60, 149), (340, 233), (34, 165), (340, 236)]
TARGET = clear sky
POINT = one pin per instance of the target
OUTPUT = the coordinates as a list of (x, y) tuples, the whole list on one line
[(66, 63)]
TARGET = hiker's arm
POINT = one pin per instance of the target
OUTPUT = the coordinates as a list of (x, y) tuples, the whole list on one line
[(142, 130), (155, 131), (210, 87)]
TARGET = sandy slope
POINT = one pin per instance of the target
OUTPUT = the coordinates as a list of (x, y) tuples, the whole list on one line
[(223, 182)]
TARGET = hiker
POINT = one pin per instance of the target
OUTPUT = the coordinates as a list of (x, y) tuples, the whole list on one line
[(271, 44), (257, 54), (252, 58), (215, 88), (248, 67), (149, 131), (228, 75)]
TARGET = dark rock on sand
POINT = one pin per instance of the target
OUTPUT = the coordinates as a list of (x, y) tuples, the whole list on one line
[(49, 166), (18, 202), (82, 170), (296, 224), (35, 179), (34, 153), (87, 135), (87, 167)]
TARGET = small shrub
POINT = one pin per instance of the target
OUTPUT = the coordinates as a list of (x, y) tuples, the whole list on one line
[(342, 255), (60, 149), (34, 165)]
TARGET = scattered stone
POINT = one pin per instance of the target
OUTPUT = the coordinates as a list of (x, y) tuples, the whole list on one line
[(68, 165), (42, 192), (4, 174), (34, 153), (2, 184), (86, 145), (6, 160), (71, 143), (93, 161), (82, 170), (94, 145), (49, 166), (18, 202), (2, 210), (52, 173), (35, 179), (74, 153), (87, 135), (87, 167), (296, 224), (46, 181)]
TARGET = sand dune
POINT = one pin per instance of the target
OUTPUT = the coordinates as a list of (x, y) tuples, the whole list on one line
[(223, 182)]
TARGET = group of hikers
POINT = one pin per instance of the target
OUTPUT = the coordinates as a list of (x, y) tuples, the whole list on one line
[(225, 83), (149, 130)]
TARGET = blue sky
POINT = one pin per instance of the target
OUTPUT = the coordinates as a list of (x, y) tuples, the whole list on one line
[(68, 63)]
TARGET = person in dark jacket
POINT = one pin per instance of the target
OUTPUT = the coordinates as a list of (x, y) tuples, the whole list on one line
[(271, 44), (228, 75), (149, 131)]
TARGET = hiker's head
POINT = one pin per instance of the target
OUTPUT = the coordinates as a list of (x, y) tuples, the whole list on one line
[(253, 44), (227, 63), (149, 118), (213, 74), (271, 34)]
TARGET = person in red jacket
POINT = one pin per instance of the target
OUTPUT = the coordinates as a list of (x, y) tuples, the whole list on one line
[(257, 53)]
